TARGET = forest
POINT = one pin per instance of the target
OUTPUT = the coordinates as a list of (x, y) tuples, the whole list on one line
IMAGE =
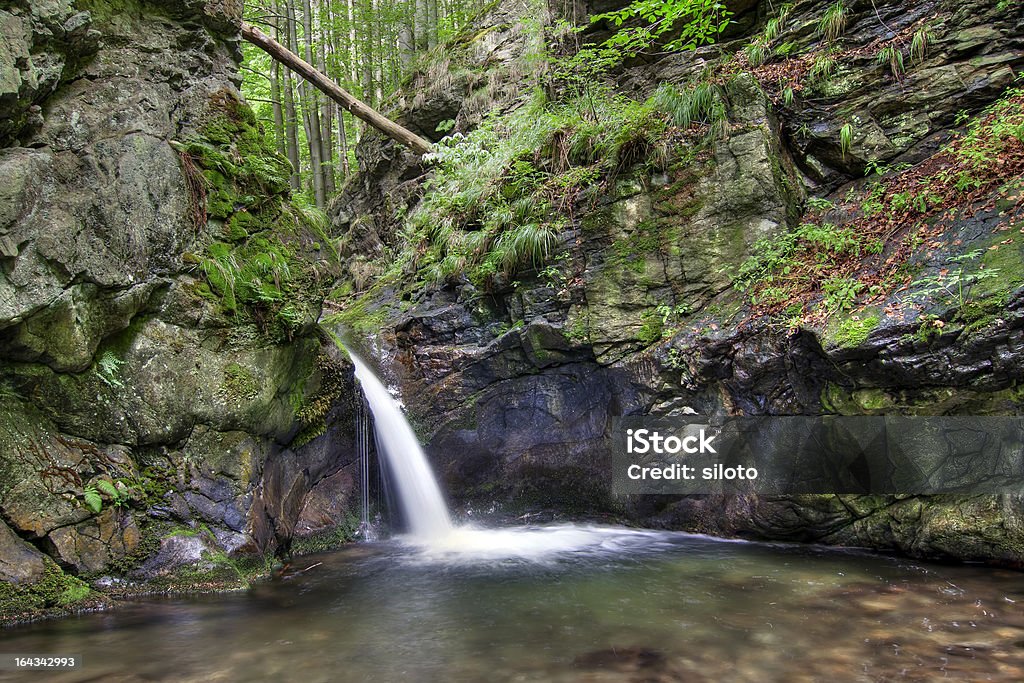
[(547, 340)]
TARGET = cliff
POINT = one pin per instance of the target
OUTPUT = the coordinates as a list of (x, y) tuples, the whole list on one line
[(819, 215), (162, 380)]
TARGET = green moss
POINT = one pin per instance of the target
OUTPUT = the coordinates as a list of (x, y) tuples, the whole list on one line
[(837, 399), (364, 316), (652, 327), (325, 541), (54, 590), (852, 332), (266, 271), (237, 229), (872, 400), (312, 412), (239, 383)]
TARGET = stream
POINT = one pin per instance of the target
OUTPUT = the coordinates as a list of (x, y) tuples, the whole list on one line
[(589, 604)]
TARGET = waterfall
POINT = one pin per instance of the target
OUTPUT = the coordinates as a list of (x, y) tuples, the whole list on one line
[(418, 493), (362, 443), (432, 538)]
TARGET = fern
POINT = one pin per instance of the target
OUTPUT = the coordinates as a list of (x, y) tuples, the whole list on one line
[(107, 367), (892, 56), (846, 138), (93, 500), (833, 22), (822, 68), (919, 44)]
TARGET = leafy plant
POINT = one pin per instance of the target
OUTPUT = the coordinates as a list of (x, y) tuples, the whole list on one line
[(702, 103), (785, 49), (701, 23), (668, 312), (841, 293), (833, 22), (788, 96), (116, 492), (93, 494), (822, 68), (93, 499), (878, 167), (108, 365), (846, 138), (820, 204), (756, 52), (919, 44), (956, 285), (893, 57)]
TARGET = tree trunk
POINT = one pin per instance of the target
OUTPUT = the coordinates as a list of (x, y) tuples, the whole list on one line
[(350, 55), (432, 24), (326, 114), (343, 143), (311, 108), (332, 90), (405, 42), (421, 24), (275, 96), (377, 62), (291, 120)]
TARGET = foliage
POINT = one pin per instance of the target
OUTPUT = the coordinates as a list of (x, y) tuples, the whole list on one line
[(846, 138), (108, 365), (756, 52), (955, 286), (891, 56), (775, 257), (117, 493), (823, 67), (275, 255), (840, 293), (498, 196), (701, 22), (54, 590), (369, 48), (833, 21), (898, 213), (92, 498), (919, 43)]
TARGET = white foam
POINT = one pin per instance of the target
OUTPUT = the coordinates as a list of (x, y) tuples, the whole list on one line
[(534, 544)]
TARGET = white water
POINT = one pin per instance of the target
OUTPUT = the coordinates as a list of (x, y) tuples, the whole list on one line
[(418, 493), (431, 533)]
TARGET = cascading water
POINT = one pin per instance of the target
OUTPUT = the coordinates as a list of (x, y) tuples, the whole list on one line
[(362, 442), (418, 493), (430, 527)]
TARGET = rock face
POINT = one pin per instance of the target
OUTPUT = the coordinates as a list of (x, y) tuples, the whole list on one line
[(514, 388), (137, 399)]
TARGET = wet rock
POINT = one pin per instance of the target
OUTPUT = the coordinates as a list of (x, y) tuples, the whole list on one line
[(176, 551), (115, 369), (516, 388), (91, 545), (327, 504), (19, 562)]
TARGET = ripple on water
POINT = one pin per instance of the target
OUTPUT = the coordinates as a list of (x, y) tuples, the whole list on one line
[(567, 603)]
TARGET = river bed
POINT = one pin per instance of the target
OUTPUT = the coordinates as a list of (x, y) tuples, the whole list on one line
[(618, 605)]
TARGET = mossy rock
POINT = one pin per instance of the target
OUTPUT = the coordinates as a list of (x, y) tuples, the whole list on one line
[(55, 590)]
